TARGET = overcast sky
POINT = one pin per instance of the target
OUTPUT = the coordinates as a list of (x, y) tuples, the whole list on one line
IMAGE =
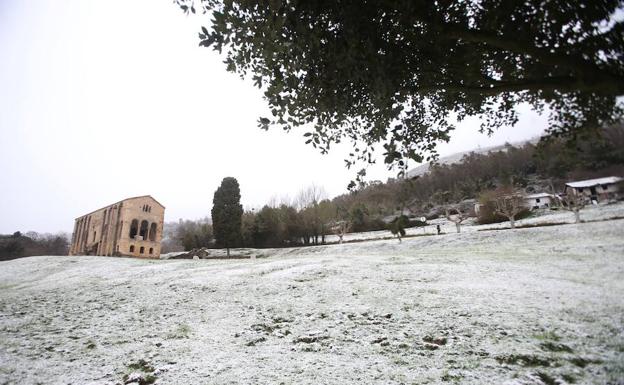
[(106, 99)]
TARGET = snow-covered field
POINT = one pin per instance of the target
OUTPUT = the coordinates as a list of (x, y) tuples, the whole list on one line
[(538, 305), (539, 217)]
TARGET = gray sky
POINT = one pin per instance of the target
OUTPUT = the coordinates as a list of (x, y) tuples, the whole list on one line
[(106, 99)]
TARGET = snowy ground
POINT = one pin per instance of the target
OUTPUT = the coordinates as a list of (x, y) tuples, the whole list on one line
[(531, 306), (538, 217)]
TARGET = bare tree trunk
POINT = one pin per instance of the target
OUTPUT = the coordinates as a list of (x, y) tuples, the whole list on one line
[(573, 203), (509, 205), (340, 238), (228, 252), (456, 216)]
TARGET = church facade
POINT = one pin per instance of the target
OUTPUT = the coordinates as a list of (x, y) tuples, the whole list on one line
[(132, 227)]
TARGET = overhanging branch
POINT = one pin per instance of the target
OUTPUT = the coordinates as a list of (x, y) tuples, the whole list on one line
[(563, 83), (588, 72)]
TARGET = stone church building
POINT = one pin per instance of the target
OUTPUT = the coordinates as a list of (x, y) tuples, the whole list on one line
[(132, 227)]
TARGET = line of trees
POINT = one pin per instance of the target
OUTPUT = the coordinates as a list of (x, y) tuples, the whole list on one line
[(18, 245), (311, 216), (305, 220)]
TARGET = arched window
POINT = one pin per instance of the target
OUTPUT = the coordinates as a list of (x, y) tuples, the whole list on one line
[(143, 230), (134, 228), (142, 250), (152, 232), (132, 248), (151, 250)]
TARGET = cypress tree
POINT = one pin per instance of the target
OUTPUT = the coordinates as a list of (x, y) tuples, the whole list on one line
[(227, 214)]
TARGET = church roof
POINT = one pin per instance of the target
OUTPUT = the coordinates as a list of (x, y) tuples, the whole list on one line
[(123, 200)]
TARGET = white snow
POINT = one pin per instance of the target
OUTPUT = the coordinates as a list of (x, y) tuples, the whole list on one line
[(481, 307), (539, 217)]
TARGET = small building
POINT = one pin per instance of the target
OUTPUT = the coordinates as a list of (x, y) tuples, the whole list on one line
[(132, 227), (539, 201), (596, 190)]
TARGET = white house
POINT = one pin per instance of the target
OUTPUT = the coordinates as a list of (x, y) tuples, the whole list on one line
[(539, 201), (598, 189)]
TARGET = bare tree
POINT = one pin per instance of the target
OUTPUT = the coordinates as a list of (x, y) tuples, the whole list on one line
[(574, 203), (340, 228), (307, 202), (509, 205), (310, 196), (326, 214), (456, 215)]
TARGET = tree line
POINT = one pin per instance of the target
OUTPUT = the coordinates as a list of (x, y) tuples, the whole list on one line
[(305, 220), (18, 245), (311, 216)]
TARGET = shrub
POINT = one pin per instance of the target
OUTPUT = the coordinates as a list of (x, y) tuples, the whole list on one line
[(487, 210)]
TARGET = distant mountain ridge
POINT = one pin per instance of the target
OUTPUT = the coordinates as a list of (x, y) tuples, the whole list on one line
[(457, 157)]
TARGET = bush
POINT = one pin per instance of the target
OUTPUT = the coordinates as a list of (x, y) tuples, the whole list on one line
[(193, 234), (488, 215), (397, 226), (416, 223)]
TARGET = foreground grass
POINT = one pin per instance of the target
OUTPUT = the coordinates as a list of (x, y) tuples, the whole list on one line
[(531, 306)]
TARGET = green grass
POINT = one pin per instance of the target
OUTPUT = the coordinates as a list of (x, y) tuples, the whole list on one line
[(141, 365), (555, 347), (547, 336), (181, 332)]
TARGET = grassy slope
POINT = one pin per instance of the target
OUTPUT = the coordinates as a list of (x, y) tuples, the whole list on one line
[(530, 306)]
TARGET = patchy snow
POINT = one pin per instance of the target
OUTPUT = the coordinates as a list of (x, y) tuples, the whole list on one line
[(530, 306), (539, 217)]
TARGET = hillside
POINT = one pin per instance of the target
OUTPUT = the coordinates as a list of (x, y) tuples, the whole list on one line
[(424, 168), (482, 307)]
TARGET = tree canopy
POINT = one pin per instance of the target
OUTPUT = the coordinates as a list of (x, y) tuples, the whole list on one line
[(399, 73)]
